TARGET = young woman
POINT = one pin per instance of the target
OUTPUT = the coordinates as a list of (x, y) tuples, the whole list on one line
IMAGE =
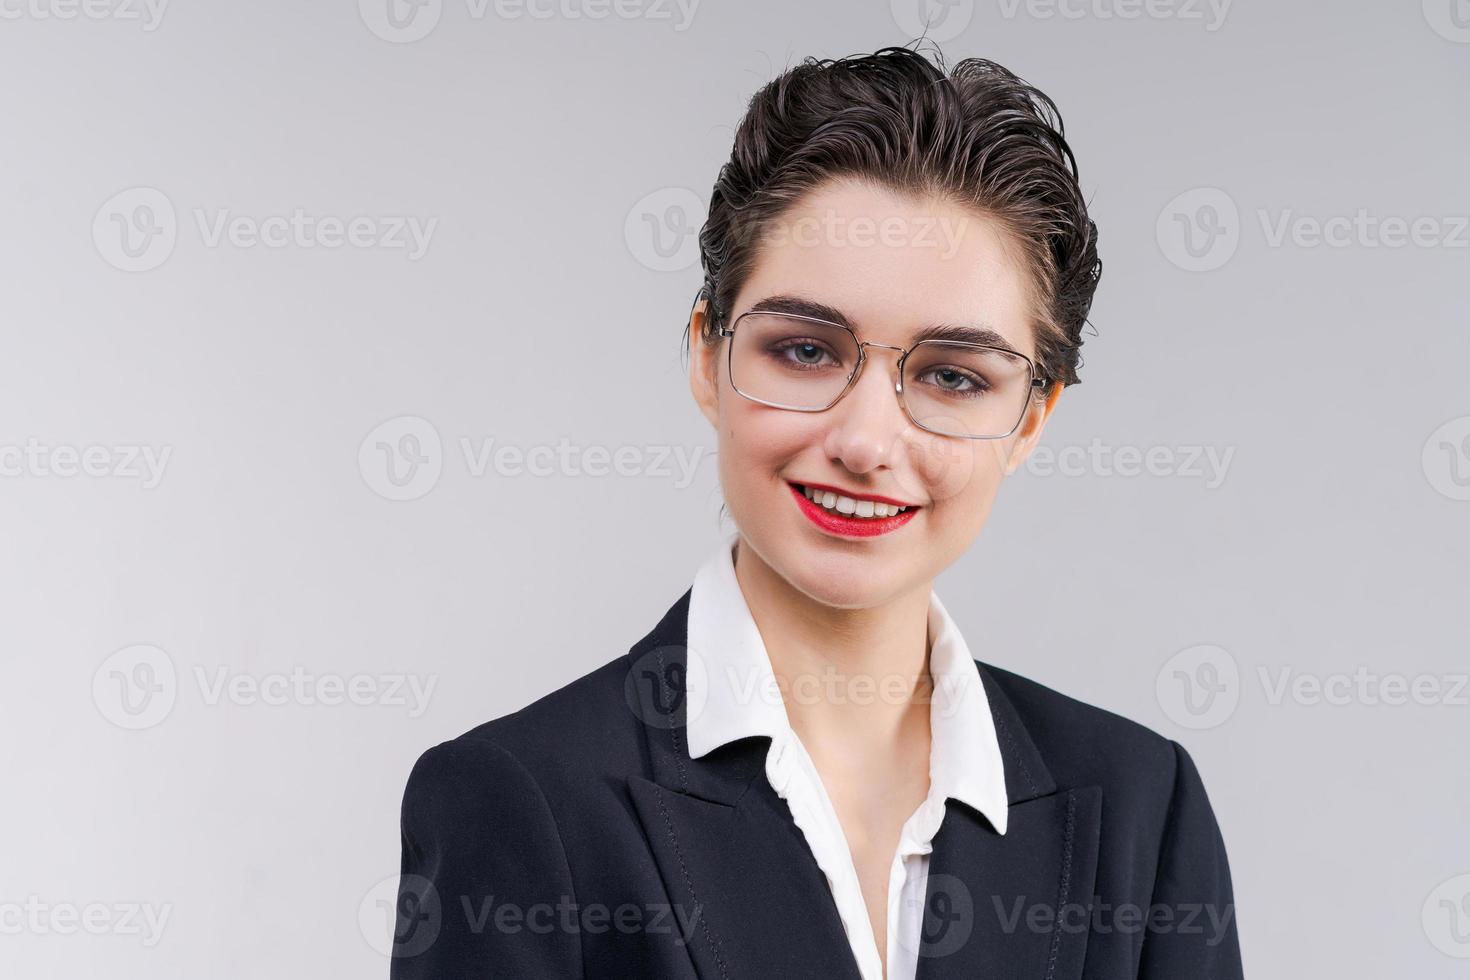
[(801, 771)]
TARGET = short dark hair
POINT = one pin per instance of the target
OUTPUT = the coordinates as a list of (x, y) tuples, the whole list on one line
[(976, 134)]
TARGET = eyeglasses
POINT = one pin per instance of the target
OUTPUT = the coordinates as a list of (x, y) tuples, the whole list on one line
[(948, 387)]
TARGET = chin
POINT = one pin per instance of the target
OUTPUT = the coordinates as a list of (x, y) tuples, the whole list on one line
[(840, 578)]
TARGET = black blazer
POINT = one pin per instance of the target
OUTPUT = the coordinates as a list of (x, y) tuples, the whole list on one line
[(576, 838)]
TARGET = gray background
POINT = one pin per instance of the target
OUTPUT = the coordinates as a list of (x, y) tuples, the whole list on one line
[(547, 150)]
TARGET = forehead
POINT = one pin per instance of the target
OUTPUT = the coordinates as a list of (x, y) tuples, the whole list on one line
[(893, 263)]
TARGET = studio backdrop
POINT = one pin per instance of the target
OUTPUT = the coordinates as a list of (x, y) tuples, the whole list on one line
[(343, 407)]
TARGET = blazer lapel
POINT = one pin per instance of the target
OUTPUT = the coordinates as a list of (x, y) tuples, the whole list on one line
[(724, 842), (1015, 906)]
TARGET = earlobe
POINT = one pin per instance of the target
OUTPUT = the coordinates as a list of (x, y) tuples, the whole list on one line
[(703, 383), (1031, 427)]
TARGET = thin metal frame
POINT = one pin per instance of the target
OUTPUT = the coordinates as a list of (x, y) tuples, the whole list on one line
[(862, 346)]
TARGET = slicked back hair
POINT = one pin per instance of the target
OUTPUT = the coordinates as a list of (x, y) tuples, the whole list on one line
[(976, 135)]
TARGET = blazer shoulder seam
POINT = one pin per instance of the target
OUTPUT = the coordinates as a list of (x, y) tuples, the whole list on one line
[(1166, 840), (555, 826)]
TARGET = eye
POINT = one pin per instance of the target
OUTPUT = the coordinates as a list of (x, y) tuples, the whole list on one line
[(956, 380), (801, 352)]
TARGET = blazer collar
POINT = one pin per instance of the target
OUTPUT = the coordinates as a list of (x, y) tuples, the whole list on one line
[(725, 846), (733, 693), (661, 660)]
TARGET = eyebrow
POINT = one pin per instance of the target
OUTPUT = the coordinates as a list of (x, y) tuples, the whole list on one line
[(979, 333)]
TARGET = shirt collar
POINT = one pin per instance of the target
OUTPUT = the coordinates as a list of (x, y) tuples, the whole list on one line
[(741, 698)]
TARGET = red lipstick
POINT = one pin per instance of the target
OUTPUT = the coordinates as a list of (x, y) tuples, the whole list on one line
[(850, 527)]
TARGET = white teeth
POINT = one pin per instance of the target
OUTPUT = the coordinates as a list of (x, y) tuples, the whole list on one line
[(849, 506)]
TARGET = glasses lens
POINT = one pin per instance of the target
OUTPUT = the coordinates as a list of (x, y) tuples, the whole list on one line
[(962, 390), (790, 361)]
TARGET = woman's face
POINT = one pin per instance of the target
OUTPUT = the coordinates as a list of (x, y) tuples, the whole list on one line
[(889, 264)]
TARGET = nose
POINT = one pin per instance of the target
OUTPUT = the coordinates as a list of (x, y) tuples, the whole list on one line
[(868, 421)]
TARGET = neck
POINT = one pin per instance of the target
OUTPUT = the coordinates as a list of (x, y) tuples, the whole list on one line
[(856, 678)]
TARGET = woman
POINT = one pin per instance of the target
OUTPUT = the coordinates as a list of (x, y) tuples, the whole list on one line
[(801, 771)]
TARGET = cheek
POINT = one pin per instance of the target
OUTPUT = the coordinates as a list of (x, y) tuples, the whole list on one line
[(964, 498), (754, 437), (965, 473)]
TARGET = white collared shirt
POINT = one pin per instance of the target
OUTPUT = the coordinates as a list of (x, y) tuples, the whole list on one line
[(741, 698)]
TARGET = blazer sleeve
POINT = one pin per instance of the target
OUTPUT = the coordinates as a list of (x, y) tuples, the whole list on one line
[(485, 890), (1190, 930)]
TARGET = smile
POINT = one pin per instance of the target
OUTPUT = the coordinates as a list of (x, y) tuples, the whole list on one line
[(852, 517)]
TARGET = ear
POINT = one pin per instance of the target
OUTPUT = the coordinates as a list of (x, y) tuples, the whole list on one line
[(1029, 433), (704, 364)]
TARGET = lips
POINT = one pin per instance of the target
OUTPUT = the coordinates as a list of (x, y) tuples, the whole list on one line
[(876, 498), (851, 525)]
